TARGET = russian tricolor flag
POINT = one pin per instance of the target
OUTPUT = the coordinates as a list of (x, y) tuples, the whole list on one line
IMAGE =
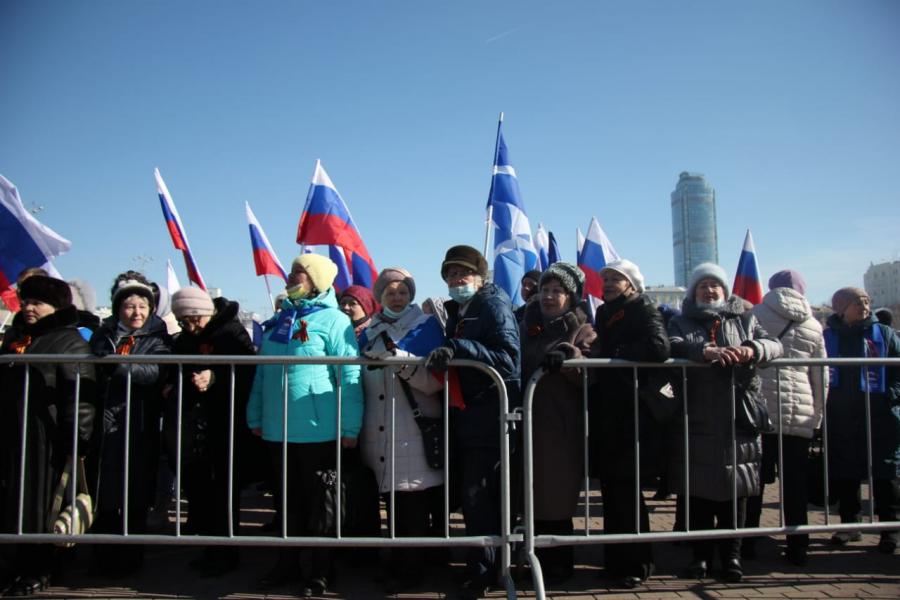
[(326, 220), (542, 245), (25, 242), (746, 280), (554, 256), (596, 252), (176, 230), (264, 257)]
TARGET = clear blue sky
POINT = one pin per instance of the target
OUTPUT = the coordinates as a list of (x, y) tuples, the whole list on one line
[(791, 110)]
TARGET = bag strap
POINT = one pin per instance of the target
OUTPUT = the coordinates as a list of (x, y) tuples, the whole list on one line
[(407, 391), (786, 329), (60, 494)]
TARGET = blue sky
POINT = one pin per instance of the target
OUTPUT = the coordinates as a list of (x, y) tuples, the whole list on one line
[(790, 109)]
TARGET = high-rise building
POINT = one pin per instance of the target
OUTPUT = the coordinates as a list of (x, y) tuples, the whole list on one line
[(694, 238), (882, 283)]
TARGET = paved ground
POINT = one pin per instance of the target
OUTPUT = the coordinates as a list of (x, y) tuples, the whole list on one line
[(854, 571)]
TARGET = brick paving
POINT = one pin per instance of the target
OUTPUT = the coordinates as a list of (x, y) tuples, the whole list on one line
[(853, 571)]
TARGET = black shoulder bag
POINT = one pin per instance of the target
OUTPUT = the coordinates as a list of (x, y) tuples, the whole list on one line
[(432, 429)]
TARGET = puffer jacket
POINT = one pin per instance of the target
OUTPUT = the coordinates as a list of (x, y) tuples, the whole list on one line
[(712, 463), (320, 329), (802, 390), (411, 471)]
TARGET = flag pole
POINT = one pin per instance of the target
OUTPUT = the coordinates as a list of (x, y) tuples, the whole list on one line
[(269, 290), (490, 210)]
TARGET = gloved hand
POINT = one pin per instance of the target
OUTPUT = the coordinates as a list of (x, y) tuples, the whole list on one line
[(439, 358), (378, 354), (553, 360)]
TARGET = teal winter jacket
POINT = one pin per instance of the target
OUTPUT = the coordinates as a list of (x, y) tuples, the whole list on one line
[(319, 329)]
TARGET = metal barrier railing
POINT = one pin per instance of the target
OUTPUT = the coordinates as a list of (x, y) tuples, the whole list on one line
[(532, 541)]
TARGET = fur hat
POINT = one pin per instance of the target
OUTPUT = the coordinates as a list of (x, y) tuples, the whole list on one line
[(132, 287), (707, 270), (466, 256), (192, 302), (629, 270), (321, 270), (389, 276), (48, 290), (568, 275), (788, 278), (844, 297), (363, 297)]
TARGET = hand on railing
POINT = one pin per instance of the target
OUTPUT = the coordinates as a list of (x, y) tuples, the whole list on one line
[(553, 361), (728, 355), (202, 380), (439, 358)]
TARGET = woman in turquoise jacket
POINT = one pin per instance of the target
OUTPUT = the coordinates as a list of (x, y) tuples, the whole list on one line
[(309, 324)]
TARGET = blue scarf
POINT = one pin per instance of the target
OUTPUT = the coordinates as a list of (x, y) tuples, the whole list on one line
[(287, 318), (874, 346)]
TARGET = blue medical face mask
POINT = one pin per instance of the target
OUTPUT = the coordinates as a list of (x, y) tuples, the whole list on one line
[(394, 314), (463, 293)]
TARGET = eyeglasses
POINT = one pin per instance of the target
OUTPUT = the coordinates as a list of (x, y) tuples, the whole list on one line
[(190, 319)]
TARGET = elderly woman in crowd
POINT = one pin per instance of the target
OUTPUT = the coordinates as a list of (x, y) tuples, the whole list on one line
[(358, 303), (629, 327), (714, 328), (853, 332), (47, 324), (211, 328), (133, 329), (555, 327), (310, 325), (480, 327), (402, 329), (784, 312)]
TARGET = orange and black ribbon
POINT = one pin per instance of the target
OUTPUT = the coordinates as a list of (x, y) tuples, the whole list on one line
[(126, 346), (20, 345)]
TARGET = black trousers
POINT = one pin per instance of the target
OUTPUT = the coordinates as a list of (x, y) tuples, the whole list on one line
[(795, 458), (622, 560), (847, 492), (479, 488), (558, 561), (711, 514), (414, 517)]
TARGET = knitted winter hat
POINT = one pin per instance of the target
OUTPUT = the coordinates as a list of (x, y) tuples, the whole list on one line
[(48, 290), (363, 297), (844, 297), (534, 275), (788, 278), (568, 275), (192, 302), (466, 256), (704, 271), (629, 270), (132, 287), (320, 269), (390, 275)]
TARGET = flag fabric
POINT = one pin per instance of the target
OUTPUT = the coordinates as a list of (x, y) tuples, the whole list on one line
[(579, 245), (264, 257), (596, 253), (746, 279), (514, 251), (171, 278), (176, 230), (554, 255), (25, 242), (542, 245), (339, 257), (326, 220)]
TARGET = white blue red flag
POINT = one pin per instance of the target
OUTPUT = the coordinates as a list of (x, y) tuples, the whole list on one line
[(264, 257), (171, 278), (514, 252), (25, 242), (554, 255), (176, 230), (746, 280), (326, 220), (339, 257), (596, 253), (579, 245), (542, 245)]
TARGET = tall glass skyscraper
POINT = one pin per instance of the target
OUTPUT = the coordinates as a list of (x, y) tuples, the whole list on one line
[(694, 238)]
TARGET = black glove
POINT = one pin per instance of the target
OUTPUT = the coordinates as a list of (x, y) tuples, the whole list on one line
[(439, 358), (553, 361)]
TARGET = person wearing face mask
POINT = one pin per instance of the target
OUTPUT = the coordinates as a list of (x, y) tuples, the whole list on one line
[(133, 329), (310, 324), (358, 303), (401, 329), (46, 324), (481, 327), (714, 328), (853, 332), (629, 327), (210, 328), (556, 327)]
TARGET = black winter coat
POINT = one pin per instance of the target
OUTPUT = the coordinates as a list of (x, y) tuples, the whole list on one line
[(846, 409), (147, 381), (631, 329), (50, 419), (488, 333)]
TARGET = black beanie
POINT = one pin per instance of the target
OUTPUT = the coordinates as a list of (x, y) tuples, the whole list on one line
[(49, 290)]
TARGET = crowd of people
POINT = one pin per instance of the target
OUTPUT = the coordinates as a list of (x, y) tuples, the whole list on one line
[(290, 429)]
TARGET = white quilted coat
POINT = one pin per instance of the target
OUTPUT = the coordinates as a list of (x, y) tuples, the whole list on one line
[(802, 399)]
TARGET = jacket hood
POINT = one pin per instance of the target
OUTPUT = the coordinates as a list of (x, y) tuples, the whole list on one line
[(788, 303), (734, 306)]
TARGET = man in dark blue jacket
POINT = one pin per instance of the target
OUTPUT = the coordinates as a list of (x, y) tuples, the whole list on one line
[(480, 326)]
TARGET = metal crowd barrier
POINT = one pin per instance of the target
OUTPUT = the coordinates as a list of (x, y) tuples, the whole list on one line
[(533, 541)]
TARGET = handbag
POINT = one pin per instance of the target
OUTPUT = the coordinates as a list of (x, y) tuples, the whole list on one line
[(431, 428), (751, 415), (359, 502), (71, 519)]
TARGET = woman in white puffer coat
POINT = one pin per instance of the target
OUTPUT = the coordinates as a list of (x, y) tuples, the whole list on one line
[(786, 313)]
